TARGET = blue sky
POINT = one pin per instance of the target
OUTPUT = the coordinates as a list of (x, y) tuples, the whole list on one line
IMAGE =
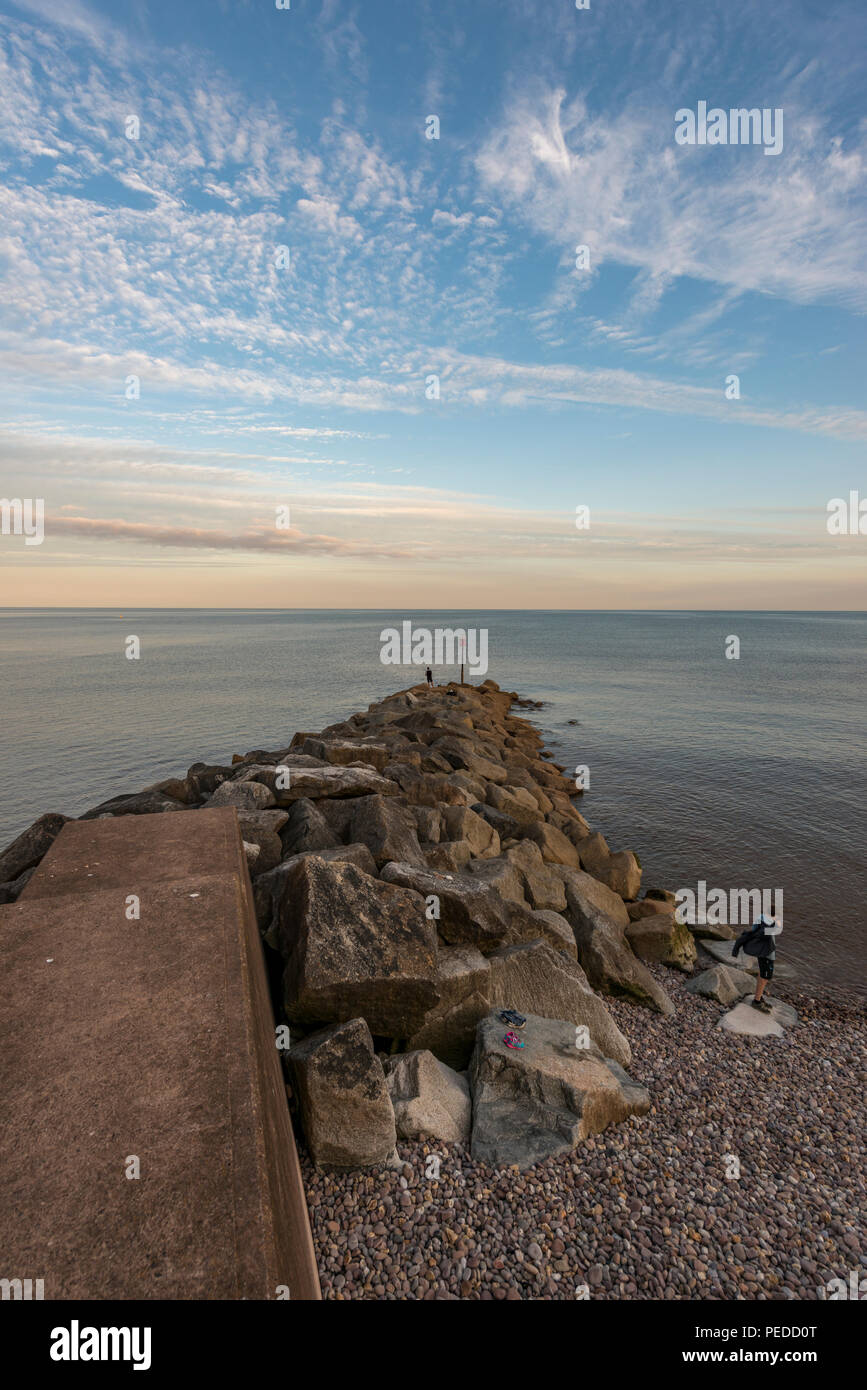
[(305, 386)]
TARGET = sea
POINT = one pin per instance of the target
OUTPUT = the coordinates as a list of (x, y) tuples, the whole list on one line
[(739, 764)]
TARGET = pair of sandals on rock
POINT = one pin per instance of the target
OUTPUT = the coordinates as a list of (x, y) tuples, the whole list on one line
[(516, 1020)]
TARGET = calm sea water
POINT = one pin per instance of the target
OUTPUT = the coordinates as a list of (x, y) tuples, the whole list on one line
[(746, 773)]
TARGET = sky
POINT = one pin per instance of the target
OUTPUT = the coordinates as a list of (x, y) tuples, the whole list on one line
[(245, 270)]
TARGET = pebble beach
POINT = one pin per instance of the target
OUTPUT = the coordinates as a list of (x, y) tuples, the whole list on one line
[(643, 1210)]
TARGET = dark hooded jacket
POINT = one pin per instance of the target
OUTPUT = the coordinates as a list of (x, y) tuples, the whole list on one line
[(755, 942)]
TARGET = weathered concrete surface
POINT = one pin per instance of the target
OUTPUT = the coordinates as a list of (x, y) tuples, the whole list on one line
[(155, 1038), (134, 852)]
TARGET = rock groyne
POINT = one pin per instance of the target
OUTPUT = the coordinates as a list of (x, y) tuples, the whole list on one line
[(419, 868)]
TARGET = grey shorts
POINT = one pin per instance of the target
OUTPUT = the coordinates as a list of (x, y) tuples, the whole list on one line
[(766, 968)]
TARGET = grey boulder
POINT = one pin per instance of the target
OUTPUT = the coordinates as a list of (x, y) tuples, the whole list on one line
[(290, 782), (469, 913), (531, 1104), (26, 851), (388, 829), (270, 886), (354, 947), (535, 979), (246, 796), (660, 937), (599, 920), (721, 982), (461, 823), (262, 828), (449, 1028), (554, 929), (345, 1108), (342, 752), (429, 1098), (542, 885), (147, 803), (306, 828)]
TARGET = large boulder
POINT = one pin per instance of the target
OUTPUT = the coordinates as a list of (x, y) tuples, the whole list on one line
[(543, 887), (428, 821), (426, 788), (470, 913), (11, 891), (26, 851), (463, 757), (462, 823), (178, 788), (595, 854), (555, 847), (570, 821), (520, 777), (266, 769), (269, 887), (662, 938), (429, 1098), (434, 722), (448, 857), (599, 920), (620, 871), (261, 828), (346, 1112), (337, 816), (516, 803), (544, 1099), (553, 928), (505, 826), (246, 796), (535, 979), (500, 874), (342, 752), (306, 828), (712, 931), (290, 782), (388, 829), (661, 895), (476, 788), (449, 1028), (623, 873), (354, 946), (647, 907), (204, 778), (134, 804)]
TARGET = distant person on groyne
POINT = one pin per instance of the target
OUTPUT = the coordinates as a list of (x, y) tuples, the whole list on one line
[(429, 676), (760, 941)]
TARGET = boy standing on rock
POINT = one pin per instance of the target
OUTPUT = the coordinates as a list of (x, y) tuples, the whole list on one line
[(759, 940), (429, 676)]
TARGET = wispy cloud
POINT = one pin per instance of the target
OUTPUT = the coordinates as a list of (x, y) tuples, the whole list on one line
[(621, 185), (265, 540)]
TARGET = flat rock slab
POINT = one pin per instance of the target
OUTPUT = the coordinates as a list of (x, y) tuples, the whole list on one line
[(149, 1038), (722, 951), (744, 1019)]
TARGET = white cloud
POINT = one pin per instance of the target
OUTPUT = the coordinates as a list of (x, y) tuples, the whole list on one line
[(789, 226)]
